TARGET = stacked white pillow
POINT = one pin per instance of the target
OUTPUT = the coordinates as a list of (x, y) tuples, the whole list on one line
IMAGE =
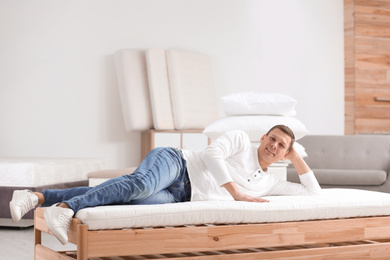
[(255, 103), (255, 113)]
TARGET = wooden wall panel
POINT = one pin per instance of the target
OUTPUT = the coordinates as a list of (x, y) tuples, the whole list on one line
[(372, 61), (372, 77), (372, 126), (349, 49), (367, 62), (373, 103)]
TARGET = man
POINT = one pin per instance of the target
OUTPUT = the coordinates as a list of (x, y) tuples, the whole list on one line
[(230, 168)]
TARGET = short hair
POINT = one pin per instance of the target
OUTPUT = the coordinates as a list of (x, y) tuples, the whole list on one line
[(285, 129)]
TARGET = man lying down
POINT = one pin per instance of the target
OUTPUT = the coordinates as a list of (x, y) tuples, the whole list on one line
[(230, 168)]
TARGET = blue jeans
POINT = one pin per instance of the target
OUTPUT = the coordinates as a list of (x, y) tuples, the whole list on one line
[(162, 177)]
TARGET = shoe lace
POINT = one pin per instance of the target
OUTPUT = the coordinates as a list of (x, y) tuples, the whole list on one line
[(26, 205), (65, 221)]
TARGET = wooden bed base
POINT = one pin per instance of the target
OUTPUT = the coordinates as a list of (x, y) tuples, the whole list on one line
[(354, 238)]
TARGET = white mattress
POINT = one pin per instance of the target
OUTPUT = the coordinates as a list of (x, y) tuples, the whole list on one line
[(194, 103), (35, 172), (160, 94), (333, 203), (133, 89)]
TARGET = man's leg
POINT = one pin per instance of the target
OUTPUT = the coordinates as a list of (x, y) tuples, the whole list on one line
[(25, 200), (159, 170), (160, 197), (51, 197)]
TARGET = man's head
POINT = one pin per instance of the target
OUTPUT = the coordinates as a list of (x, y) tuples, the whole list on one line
[(275, 145), (287, 131)]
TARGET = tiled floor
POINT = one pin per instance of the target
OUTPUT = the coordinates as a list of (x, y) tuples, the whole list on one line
[(18, 244)]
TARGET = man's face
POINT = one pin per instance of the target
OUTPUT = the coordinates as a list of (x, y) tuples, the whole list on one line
[(274, 146)]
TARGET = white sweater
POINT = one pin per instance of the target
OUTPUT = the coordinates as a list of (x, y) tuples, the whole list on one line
[(232, 157)]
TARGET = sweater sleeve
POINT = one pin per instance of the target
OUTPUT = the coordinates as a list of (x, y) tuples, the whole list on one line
[(230, 144), (308, 186)]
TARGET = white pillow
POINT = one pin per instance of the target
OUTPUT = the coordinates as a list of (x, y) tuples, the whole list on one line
[(300, 149), (254, 126), (255, 103)]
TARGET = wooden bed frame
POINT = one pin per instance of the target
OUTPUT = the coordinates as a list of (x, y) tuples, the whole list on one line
[(353, 238)]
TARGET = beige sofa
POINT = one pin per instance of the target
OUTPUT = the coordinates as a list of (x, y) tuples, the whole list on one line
[(351, 161)]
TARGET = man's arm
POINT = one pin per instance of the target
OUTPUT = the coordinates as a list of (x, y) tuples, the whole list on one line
[(309, 184), (231, 187), (298, 162)]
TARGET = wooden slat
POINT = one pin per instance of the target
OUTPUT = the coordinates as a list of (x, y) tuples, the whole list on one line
[(374, 20), (338, 251), (372, 77), (376, 228), (373, 113), (82, 242), (373, 8), (349, 128), (377, 251), (235, 237), (37, 233), (372, 125), (349, 50), (44, 253), (365, 96), (372, 30), (372, 61), (369, 104), (372, 45), (349, 104), (374, 3)]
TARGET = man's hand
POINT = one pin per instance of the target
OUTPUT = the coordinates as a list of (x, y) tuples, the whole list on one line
[(238, 195), (292, 154), (299, 164), (245, 197)]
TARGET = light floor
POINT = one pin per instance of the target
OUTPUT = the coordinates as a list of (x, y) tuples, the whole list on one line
[(18, 244)]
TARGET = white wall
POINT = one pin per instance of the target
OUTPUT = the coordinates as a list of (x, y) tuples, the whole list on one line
[(58, 91)]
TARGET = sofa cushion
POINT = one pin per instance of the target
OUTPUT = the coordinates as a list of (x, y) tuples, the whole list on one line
[(370, 152), (344, 177)]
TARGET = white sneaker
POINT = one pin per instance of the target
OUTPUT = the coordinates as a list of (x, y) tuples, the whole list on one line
[(58, 221), (22, 202)]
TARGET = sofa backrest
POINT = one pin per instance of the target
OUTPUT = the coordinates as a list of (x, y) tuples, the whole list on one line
[(347, 152)]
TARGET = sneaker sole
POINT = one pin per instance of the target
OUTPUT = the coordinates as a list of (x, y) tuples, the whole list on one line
[(47, 217), (15, 219)]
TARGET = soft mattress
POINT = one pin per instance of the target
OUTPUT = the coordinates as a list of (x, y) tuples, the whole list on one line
[(133, 89), (332, 203), (35, 172)]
